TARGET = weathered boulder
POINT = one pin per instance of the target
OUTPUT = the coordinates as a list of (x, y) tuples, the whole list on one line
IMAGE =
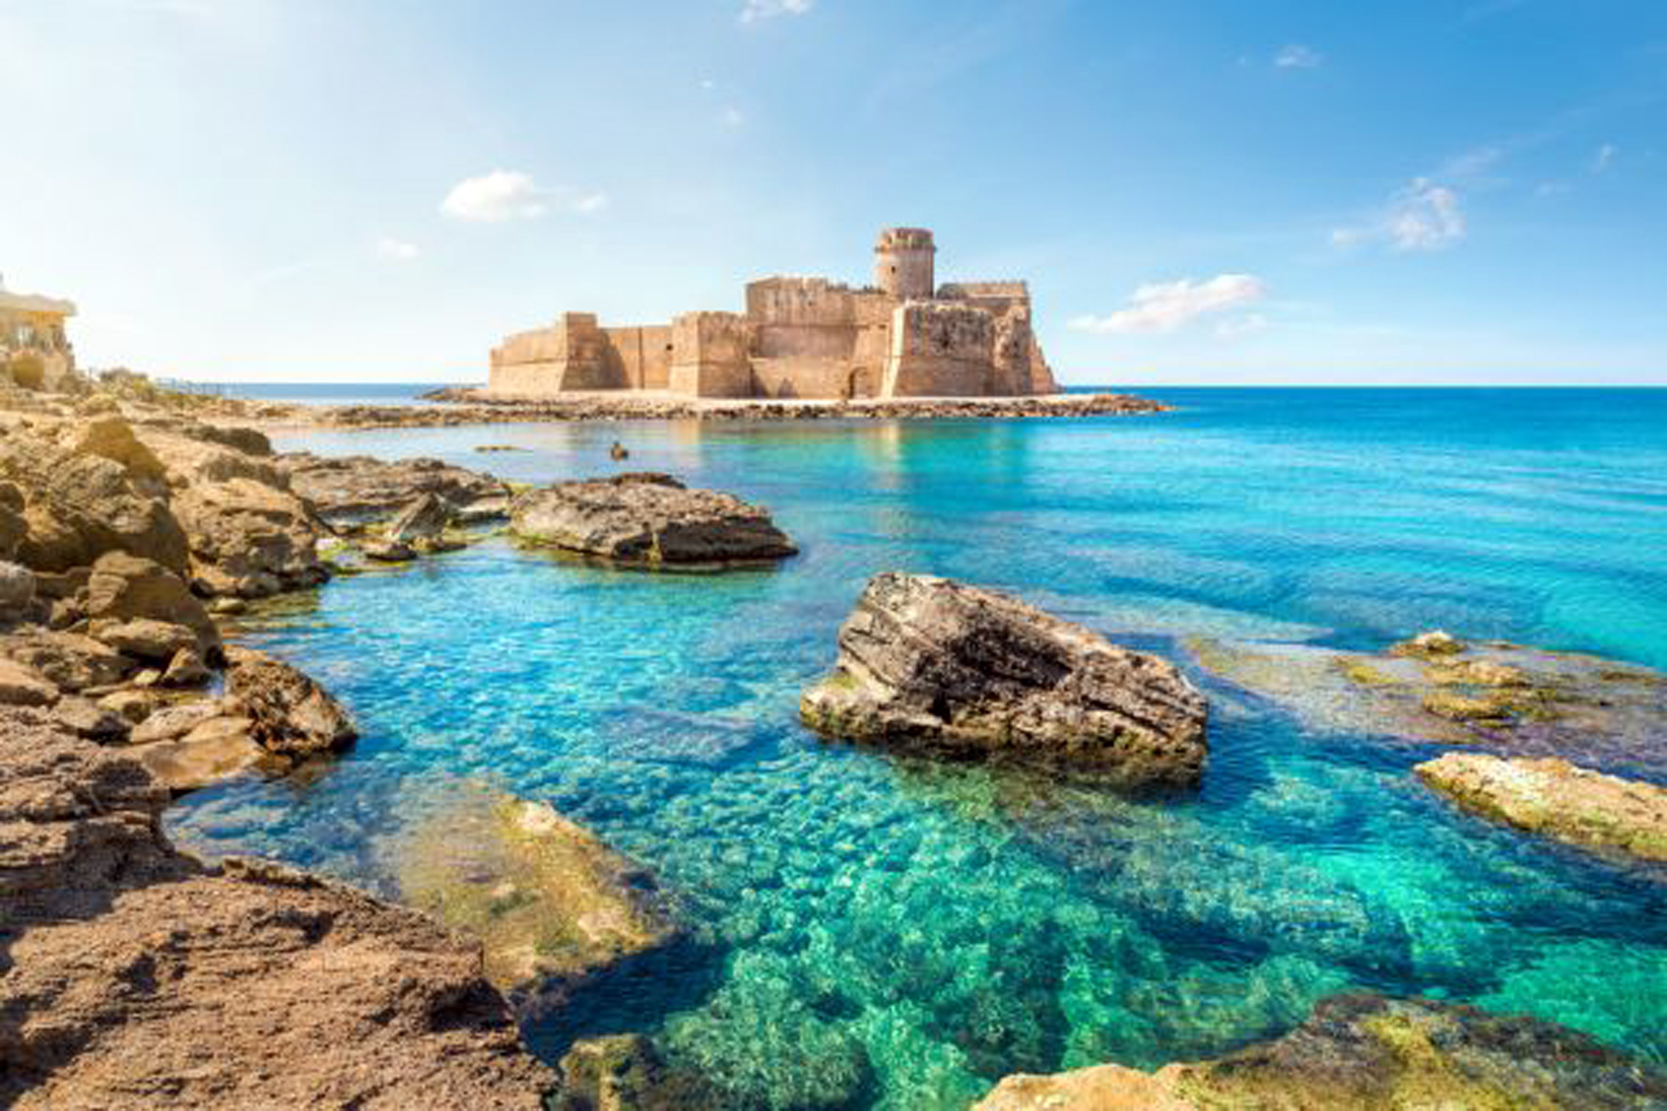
[(249, 539), (931, 663), (291, 716), (86, 718), (549, 900), (22, 685), (143, 638), (112, 438), (136, 977), (67, 660), (422, 521), (356, 489), (17, 589), (383, 550), (210, 751), (624, 1072), (1511, 699), (124, 586), (168, 722), (649, 519), (1555, 798), (1362, 1051), (186, 669), (78, 506)]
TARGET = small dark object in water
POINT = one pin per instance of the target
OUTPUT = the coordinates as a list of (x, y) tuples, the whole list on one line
[(618, 452)]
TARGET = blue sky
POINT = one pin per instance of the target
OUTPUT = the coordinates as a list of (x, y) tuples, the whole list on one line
[(1197, 192)]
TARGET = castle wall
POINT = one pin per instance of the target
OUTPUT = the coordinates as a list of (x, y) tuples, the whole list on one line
[(804, 377), (904, 262), (711, 355), (639, 357), (939, 349)]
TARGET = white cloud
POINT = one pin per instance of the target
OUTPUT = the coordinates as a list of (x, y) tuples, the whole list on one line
[(495, 197), (708, 84), (1604, 158), (389, 247), (1166, 306), (1422, 216), (732, 117), (511, 195), (1297, 56), (755, 10)]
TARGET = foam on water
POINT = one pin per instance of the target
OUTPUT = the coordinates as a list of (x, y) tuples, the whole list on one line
[(884, 932)]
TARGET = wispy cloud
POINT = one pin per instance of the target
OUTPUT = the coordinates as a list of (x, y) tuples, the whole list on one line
[(1244, 325), (1295, 55), (399, 249), (504, 195), (1604, 158), (1166, 306), (732, 117), (1422, 216), (755, 10)]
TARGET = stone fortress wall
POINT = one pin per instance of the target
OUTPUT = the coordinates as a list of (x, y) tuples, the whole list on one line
[(805, 337)]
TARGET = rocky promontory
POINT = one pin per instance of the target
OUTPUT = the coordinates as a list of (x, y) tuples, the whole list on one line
[(929, 663), (648, 519), (1361, 1052), (1555, 798)]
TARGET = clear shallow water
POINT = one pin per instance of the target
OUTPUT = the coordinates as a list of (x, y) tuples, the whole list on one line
[(899, 934)]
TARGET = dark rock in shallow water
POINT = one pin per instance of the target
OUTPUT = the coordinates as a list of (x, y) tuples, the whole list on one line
[(649, 519), (291, 715), (624, 1072), (1503, 697), (1361, 1051), (930, 663), (422, 521), (358, 488)]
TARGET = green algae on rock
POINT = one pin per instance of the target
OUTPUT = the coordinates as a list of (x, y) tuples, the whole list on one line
[(551, 903), (1558, 799), (1360, 1051), (1434, 688)]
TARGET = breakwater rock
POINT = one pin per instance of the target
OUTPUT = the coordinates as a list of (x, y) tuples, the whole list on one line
[(649, 519), (929, 663), (1558, 799), (356, 489), (136, 976), (478, 407), (1360, 1051)]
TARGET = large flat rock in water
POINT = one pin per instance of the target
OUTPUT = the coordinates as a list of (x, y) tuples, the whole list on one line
[(650, 519), (930, 663), (1361, 1051), (1502, 697)]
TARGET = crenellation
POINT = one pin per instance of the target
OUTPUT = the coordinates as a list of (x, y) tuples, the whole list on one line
[(805, 337)]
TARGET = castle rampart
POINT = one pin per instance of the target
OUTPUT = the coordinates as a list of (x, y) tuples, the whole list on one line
[(804, 337)]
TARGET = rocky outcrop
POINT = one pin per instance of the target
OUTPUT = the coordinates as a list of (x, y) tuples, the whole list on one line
[(124, 587), (930, 663), (1359, 1052), (136, 977), (350, 490), (250, 539), (648, 519), (290, 715), (1555, 798), (550, 901), (423, 521)]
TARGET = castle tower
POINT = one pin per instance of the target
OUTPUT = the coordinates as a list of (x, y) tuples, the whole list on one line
[(903, 262)]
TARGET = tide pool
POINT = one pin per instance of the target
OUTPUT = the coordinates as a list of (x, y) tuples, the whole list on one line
[(896, 933)]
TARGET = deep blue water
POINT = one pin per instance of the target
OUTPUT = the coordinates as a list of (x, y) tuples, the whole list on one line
[(329, 393), (895, 933)]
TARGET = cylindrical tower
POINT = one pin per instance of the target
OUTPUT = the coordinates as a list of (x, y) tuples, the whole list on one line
[(903, 262)]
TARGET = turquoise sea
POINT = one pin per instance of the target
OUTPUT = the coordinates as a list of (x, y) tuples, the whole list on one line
[(896, 933)]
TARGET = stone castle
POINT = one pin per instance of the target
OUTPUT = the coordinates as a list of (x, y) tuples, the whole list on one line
[(808, 338)]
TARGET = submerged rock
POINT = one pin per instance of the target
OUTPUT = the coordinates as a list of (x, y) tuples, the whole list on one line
[(136, 977), (1434, 688), (356, 489), (551, 902), (650, 519), (1361, 1051), (1556, 798), (624, 1072), (931, 663)]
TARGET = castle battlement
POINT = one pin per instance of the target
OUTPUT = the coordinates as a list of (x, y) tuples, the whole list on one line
[(804, 336)]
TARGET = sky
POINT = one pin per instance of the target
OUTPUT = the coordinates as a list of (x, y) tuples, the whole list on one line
[(1213, 193)]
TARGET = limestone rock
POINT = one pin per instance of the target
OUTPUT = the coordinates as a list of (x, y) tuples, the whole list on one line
[(144, 638), (209, 752), (22, 685), (624, 1072), (931, 663), (356, 489), (649, 519), (86, 718), (112, 438), (67, 660), (123, 586), (1556, 798), (551, 903), (176, 720), (1361, 1051), (78, 506), (17, 589), (422, 521), (249, 539), (388, 551), (186, 669), (137, 978), (292, 716)]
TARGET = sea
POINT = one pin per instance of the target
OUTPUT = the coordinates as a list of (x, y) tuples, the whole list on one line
[(879, 931)]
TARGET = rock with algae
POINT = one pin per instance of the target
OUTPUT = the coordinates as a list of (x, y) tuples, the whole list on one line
[(1558, 799), (1360, 1051), (1435, 688), (930, 663), (551, 902)]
